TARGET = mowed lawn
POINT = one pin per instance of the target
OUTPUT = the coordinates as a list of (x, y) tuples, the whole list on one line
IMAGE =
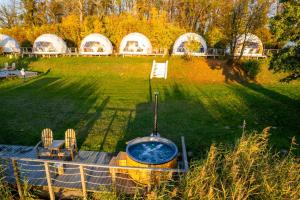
[(108, 101)]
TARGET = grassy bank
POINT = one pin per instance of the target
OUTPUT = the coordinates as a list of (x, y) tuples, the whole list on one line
[(108, 102)]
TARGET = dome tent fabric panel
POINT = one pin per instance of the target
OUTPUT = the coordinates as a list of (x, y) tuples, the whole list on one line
[(135, 43), (179, 45), (49, 44), (9, 44), (96, 44), (253, 45)]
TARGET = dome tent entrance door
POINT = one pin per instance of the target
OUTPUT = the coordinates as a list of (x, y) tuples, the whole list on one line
[(8, 44), (135, 44), (96, 44), (190, 43), (49, 44)]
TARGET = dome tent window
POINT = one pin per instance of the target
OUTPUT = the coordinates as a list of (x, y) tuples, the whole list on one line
[(96, 44), (135, 43), (8, 44), (49, 44), (190, 43)]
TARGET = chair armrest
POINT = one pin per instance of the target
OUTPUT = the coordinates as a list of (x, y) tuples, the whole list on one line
[(37, 145)]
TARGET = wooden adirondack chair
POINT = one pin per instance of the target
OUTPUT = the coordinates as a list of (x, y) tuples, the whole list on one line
[(70, 144), (46, 141), (47, 137)]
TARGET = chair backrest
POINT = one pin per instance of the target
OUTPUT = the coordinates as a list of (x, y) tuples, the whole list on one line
[(47, 137), (70, 139)]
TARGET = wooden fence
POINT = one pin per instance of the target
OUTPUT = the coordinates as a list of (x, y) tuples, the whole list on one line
[(211, 52)]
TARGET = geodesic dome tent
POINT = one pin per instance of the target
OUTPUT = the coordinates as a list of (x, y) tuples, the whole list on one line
[(135, 43), (96, 44), (253, 45), (180, 46), (49, 44), (9, 44)]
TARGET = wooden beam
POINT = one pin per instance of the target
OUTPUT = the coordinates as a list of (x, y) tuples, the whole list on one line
[(17, 177), (48, 176), (84, 193)]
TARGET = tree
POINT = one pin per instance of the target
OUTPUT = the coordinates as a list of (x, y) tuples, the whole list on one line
[(8, 14), (241, 17), (29, 11), (195, 15), (286, 27), (55, 11), (191, 46)]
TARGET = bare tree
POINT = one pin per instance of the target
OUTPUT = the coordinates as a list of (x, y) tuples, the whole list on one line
[(8, 14)]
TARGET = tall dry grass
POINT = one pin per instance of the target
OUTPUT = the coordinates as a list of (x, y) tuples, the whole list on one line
[(248, 171)]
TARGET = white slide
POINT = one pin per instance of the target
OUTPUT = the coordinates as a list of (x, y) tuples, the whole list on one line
[(159, 70)]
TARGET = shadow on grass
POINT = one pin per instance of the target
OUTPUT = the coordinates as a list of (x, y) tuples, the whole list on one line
[(204, 117), (49, 102), (231, 72), (180, 113), (204, 114), (270, 108)]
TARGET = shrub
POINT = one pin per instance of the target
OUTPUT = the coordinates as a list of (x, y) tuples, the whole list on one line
[(251, 68), (248, 171), (1, 50)]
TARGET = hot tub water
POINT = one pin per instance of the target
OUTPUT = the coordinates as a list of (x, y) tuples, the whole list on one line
[(151, 152)]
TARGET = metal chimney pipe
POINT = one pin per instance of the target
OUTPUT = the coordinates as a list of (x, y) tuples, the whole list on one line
[(155, 130)]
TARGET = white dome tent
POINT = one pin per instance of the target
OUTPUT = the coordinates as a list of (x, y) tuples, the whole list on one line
[(253, 46), (96, 44), (135, 44), (179, 45), (49, 44), (9, 44)]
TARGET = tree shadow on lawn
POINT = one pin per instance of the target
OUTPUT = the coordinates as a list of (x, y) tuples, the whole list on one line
[(269, 108), (231, 73), (50, 102), (180, 113), (204, 118)]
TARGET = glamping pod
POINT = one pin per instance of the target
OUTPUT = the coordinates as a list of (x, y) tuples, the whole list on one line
[(135, 44), (180, 46), (96, 44), (253, 46), (8, 44), (49, 44)]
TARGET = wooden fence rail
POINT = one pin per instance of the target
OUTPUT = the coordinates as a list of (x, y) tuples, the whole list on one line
[(73, 51)]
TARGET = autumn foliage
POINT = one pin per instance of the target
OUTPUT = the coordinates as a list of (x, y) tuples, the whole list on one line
[(161, 33)]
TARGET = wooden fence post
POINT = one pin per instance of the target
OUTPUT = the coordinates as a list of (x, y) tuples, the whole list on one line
[(184, 154), (84, 194), (113, 178), (17, 177), (48, 176)]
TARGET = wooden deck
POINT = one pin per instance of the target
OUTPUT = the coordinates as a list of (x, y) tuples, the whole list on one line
[(33, 172), (89, 171)]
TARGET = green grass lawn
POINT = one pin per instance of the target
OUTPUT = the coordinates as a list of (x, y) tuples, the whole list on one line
[(108, 101)]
